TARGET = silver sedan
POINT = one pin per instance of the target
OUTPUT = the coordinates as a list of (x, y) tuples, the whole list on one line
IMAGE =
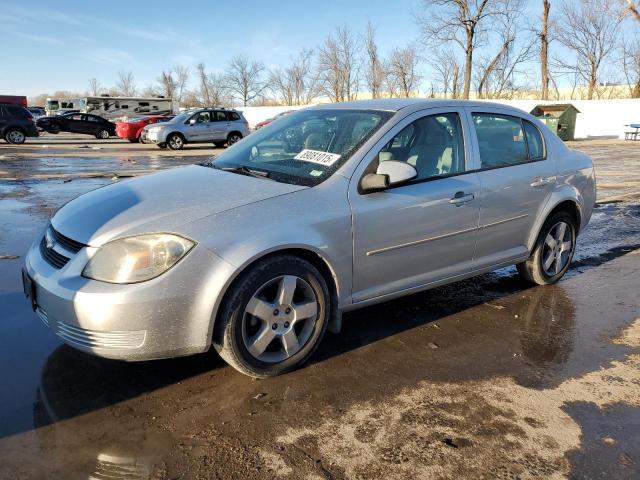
[(259, 251)]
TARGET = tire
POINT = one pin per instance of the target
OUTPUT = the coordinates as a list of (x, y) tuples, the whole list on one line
[(550, 259), (102, 134), (161, 145), (303, 291), (234, 137), (175, 141), (15, 136), (219, 144)]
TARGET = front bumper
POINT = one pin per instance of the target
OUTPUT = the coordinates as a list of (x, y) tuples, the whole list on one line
[(168, 316), (155, 136)]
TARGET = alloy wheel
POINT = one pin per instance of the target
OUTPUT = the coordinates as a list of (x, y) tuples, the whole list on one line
[(16, 136), (175, 142), (235, 138), (279, 319), (557, 249)]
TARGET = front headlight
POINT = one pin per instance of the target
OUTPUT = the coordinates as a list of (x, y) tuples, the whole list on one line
[(136, 259)]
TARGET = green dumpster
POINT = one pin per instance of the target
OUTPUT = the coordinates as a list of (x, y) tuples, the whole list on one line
[(560, 118)]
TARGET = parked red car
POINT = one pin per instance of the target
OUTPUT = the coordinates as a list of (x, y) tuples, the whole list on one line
[(268, 121), (131, 129)]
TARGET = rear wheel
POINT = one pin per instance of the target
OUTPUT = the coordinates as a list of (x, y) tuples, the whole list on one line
[(234, 137), (102, 134), (553, 251), (175, 141), (273, 317), (15, 136)]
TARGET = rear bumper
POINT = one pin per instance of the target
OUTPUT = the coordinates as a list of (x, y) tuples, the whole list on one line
[(168, 316)]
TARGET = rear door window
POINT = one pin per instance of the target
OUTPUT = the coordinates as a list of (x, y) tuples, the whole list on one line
[(220, 116), (501, 140), (233, 116)]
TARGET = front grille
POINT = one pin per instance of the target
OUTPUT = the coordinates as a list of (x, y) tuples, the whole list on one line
[(66, 242), (53, 257)]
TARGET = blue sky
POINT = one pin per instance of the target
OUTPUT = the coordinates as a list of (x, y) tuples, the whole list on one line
[(60, 45)]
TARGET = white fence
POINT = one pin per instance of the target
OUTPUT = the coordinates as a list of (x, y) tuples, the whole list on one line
[(597, 118)]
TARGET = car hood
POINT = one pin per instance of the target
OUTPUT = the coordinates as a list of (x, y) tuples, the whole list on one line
[(160, 202)]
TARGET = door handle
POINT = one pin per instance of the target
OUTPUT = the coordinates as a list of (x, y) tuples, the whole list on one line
[(542, 181), (460, 198)]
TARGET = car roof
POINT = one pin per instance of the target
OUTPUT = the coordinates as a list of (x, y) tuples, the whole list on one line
[(397, 104)]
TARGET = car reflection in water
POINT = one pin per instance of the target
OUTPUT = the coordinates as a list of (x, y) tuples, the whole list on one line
[(81, 402)]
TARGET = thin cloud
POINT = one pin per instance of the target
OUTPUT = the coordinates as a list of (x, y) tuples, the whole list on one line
[(34, 37), (109, 56)]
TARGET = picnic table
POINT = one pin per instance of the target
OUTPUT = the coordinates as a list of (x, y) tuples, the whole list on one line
[(635, 134)]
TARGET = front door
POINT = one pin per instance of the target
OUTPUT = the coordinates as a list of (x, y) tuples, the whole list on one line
[(424, 231), (199, 129), (516, 180)]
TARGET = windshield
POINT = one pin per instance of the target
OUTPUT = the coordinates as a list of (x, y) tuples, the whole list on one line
[(306, 147), (181, 117)]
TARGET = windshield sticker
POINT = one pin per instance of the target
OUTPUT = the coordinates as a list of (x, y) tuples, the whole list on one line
[(314, 156), (315, 173)]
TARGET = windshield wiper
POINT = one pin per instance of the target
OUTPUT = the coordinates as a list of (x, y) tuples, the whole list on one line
[(244, 170)]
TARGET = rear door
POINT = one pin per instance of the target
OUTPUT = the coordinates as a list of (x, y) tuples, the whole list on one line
[(516, 178), (220, 126), (73, 123)]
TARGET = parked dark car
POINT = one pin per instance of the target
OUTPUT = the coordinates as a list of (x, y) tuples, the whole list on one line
[(16, 123), (78, 123)]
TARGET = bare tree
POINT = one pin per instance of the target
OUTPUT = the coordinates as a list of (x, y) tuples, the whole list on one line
[(338, 66), (374, 72), (544, 50), (461, 22), (94, 87), (445, 68), (126, 84), (589, 28), (631, 64), (498, 75), (633, 9), (245, 79), (402, 70), (211, 91), (168, 84), (296, 83), (181, 75)]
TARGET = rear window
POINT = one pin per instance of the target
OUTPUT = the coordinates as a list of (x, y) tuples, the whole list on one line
[(233, 116), (15, 111)]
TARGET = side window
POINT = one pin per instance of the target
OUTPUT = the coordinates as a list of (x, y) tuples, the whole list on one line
[(76, 118), (234, 117), (534, 140), (220, 116), (203, 117), (501, 140), (434, 145)]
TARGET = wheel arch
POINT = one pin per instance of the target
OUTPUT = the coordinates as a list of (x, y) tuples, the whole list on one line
[(567, 203), (306, 253)]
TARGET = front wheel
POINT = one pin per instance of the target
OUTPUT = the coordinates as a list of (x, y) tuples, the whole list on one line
[(175, 141), (273, 317), (553, 251), (233, 138), (102, 134), (15, 136)]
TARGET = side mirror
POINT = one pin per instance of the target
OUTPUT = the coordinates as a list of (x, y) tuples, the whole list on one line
[(398, 172), (192, 121)]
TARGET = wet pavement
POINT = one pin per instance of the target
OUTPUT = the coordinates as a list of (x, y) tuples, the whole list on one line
[(486, 378)]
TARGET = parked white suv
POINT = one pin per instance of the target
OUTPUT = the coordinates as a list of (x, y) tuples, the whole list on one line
[(218, 126)]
